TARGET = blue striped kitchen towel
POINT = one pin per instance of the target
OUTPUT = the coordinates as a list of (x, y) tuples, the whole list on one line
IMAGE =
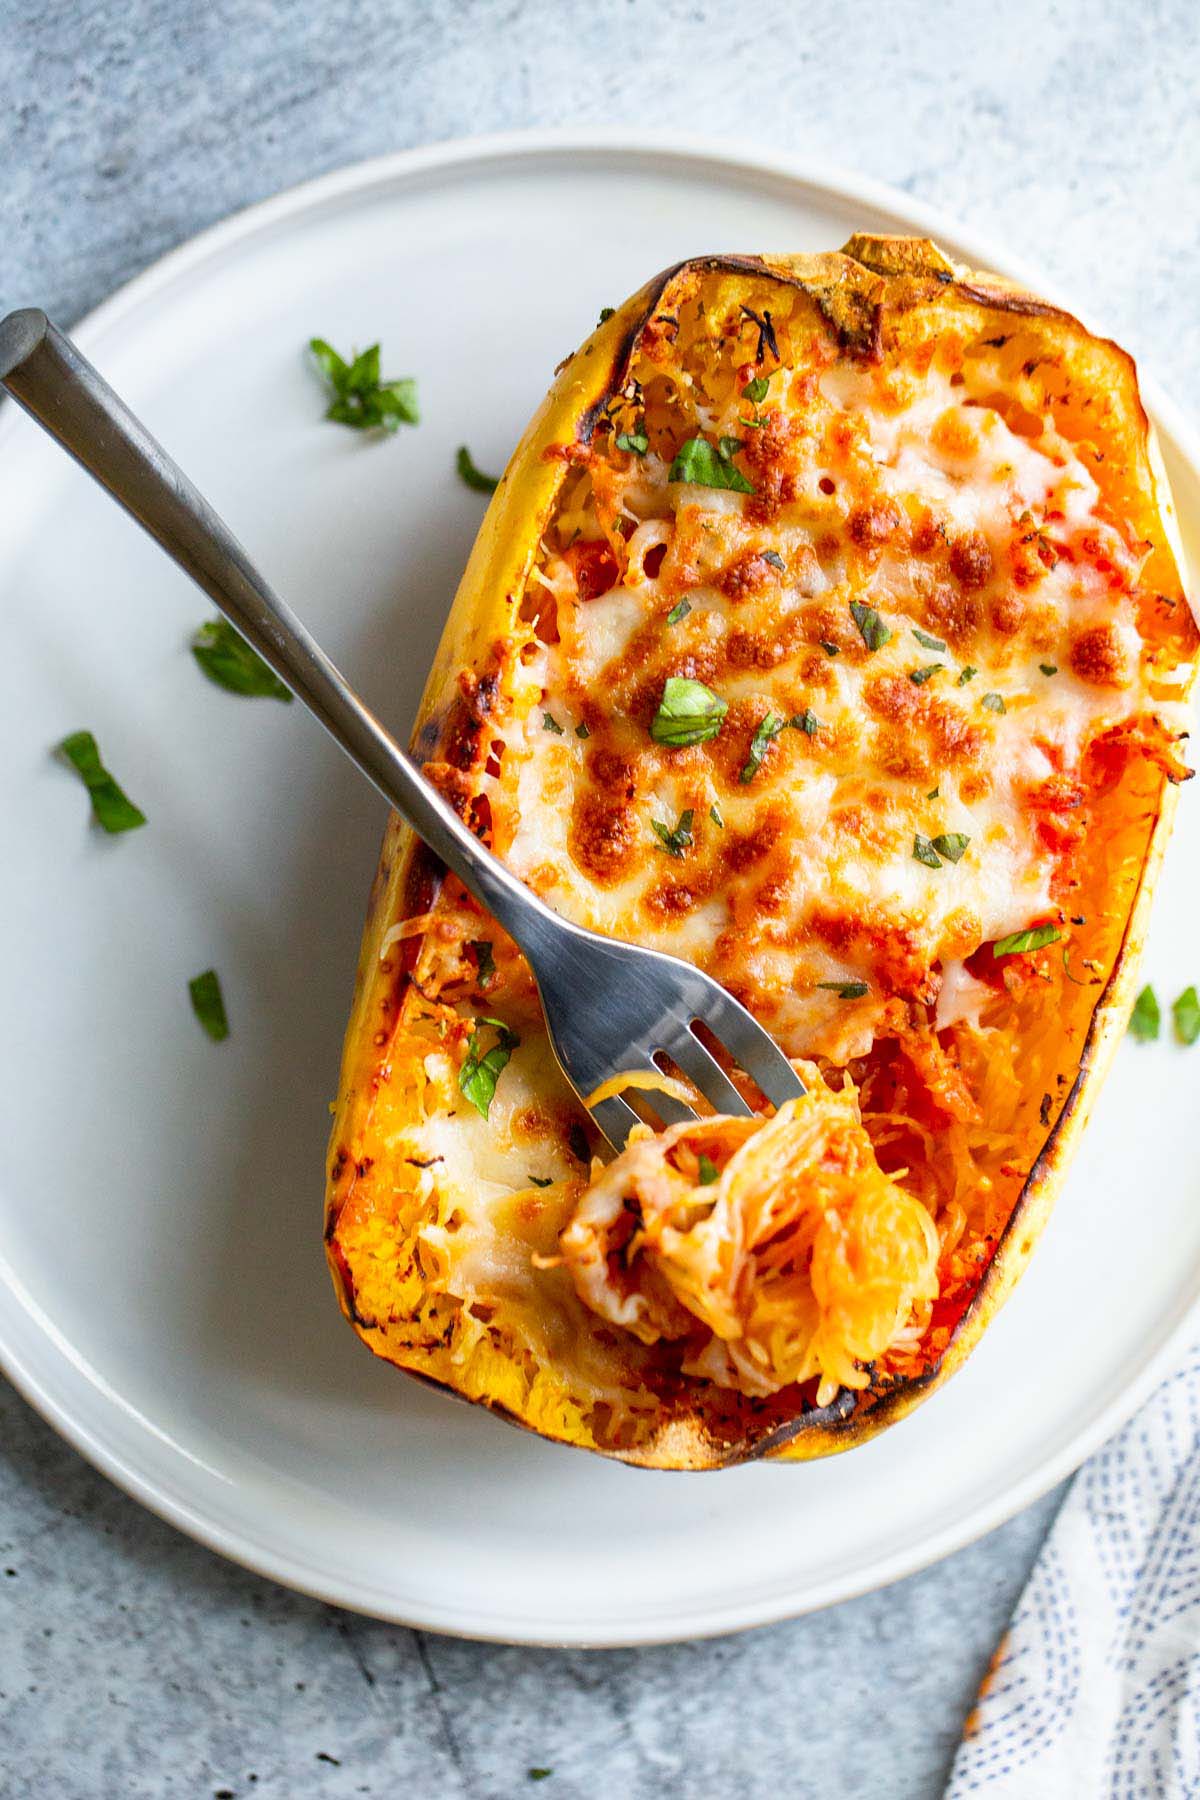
[(1095, 1690)]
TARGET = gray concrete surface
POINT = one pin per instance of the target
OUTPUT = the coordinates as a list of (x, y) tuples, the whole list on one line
[(133, 1662)]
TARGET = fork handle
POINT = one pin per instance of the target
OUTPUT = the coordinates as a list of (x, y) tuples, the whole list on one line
[(57, 386)]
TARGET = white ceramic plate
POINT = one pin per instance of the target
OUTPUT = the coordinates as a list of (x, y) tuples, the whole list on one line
[(163, 1295)]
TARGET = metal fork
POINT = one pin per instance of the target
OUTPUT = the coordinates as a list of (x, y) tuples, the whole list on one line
[(610, 1007)]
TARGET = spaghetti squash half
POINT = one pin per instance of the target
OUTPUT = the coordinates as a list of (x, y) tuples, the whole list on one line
[(827, 629)]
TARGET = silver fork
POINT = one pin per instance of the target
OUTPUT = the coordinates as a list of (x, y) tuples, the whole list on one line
[(610, 1007)]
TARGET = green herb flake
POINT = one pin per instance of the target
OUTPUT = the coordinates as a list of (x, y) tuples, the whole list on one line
[(688, 713), (1048, 668), (714, 813), (699, 463), (1145, 1019), (111, 806), (919, 677), (1020, 941), (472, 477), (676, 841), (485, 960), (552, 724), (968, 674), (952, 845), (934, 794), (636, 442), (994, 703), (229, 661), (541, 1181), (807, 722), (756, 390), (680, 610), (481, 1069), (582, 730), (760, 743), (1186, 1013), (875, 634), (830, 649), (208, 1006), (924, 852), (606, 313), (360, 397), (928, 643), (776, 561), (545, 1774), (845, 990), (708, 1170)]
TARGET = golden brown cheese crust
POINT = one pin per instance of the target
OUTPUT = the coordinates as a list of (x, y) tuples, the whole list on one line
[(893, 323)]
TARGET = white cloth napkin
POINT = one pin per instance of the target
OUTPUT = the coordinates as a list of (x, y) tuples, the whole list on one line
[(1095, 1689)]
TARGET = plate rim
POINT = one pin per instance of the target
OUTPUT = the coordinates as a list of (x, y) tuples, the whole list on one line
[(745, 158)]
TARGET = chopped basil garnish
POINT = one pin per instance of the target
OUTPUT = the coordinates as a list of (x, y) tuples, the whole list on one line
[(776, 561), (919, 677), (229, 661), (1144, 1020), (756, 390), (360, 397), (701, 464), (680, 610), (807, 722), (473, 477), (714, 813), (968, 674), (707, 1171), (636, 442), (606, 312), (951, 845), (1019, 941), (933, 794), (208, 1006), (111, 806), (760, 743), (485, 959), (688, 713), (928, 643), (481, 1069), (541, 1181), (924, 852), (875, 634), (1186, 1013), (552, 724), (845, 990), (581, 731), (994, 703), (1048, 668), (680, 839), (830, 649), (544, 1774)]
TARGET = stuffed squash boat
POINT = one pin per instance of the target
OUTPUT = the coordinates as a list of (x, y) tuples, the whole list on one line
[(827, 629)]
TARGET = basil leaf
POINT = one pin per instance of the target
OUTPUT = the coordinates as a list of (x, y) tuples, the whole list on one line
[(676, 841), (924, 852), (929, 643), (1019, 941), (688, 713), (714, 813), (807, 722), (756, 390), (485, 959), (845, 990), (760, 743), (776, 561), (360, 398), (1186, 1013), (552, 724), (581, 730), (680, 610), (541, 1181), (934, 794), (919, 677), (606, 312), (702, 465), (229, 661), (875, 633), (830, 649), (111, 806), (208, 1006), (481, 1070), (1144, 1020), (472, 477), (707, 1171), (1048, 668), (951, 845), (636, 442), (968, 674), (994, 703)]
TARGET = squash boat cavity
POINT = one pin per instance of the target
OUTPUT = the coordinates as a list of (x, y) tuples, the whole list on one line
[(898, 535)]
